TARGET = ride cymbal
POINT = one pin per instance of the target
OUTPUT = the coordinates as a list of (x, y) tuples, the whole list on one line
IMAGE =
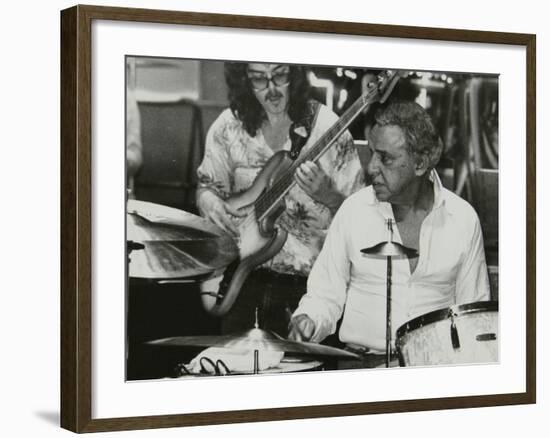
[(167, 243), (255, 339)]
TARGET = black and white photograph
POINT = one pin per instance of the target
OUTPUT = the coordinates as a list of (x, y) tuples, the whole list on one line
[(275, 219), (290, 218), (272, 217)]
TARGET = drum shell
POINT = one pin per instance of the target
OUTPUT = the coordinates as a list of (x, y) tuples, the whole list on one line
[(427, 340)]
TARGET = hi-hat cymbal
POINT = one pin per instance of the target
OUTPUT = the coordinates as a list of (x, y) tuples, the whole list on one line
[(167, 243), (390, 249), (254, 339)]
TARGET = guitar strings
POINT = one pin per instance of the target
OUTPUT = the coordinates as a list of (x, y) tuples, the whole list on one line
[(266, 200), (276, 190)]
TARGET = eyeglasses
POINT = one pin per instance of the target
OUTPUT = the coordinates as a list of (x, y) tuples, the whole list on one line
[(260, 82)]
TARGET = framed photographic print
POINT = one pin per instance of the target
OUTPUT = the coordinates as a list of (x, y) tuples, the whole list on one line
[(352, 208)]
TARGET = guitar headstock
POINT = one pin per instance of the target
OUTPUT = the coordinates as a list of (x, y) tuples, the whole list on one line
[(380, 89)]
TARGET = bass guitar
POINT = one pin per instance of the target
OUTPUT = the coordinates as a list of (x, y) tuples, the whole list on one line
[(259, 238)]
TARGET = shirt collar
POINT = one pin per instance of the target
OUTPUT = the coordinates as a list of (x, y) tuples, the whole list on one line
[(439, 192)]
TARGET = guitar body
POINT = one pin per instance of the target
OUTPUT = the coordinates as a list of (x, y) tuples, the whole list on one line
[(259, 239), (254, 235)]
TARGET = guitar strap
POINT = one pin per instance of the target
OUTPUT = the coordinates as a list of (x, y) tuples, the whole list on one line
[(300, 130)]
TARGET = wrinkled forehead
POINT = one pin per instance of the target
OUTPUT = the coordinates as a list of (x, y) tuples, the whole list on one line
[(387, 138), (265, 68)]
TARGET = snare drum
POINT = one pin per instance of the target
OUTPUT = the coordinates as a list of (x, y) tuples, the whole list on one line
[(466, 333)]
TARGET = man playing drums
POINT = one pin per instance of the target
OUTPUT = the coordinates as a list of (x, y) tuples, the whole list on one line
[(442, 227)]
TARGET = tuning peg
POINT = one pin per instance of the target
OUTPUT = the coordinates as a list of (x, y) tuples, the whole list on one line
[(384, 75)]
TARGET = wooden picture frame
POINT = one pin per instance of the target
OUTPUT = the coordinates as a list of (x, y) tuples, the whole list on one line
[(76, 217)]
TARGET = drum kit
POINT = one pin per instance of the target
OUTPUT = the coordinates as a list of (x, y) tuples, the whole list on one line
[(262, 342), (167, 244), (459, 334)]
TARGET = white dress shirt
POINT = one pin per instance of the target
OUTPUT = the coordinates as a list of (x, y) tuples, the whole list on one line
[(451, 268)]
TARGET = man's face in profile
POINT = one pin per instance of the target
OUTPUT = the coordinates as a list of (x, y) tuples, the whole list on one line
[(392, 166)]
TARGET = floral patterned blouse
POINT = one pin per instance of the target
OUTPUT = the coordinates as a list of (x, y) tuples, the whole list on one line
[(233, 159)]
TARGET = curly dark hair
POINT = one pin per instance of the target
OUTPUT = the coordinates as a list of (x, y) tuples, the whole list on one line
[(245, 106), (420, 134)]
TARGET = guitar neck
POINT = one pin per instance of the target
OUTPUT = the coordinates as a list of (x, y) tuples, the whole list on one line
[(271, 197)]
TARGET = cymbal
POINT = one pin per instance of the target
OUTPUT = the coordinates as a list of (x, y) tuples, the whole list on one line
[(151, 222), (167, 243), (390, 249), (255, 339)]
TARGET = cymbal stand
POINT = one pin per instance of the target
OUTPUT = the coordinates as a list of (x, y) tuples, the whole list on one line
[(256, 351), (388, 296), (389, 250)]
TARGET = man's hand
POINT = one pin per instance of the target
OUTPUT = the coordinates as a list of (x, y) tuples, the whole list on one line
[(301, 328), (219, 212), (316, 183)]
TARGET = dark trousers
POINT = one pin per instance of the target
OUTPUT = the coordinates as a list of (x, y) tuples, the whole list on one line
[(276, 296)]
